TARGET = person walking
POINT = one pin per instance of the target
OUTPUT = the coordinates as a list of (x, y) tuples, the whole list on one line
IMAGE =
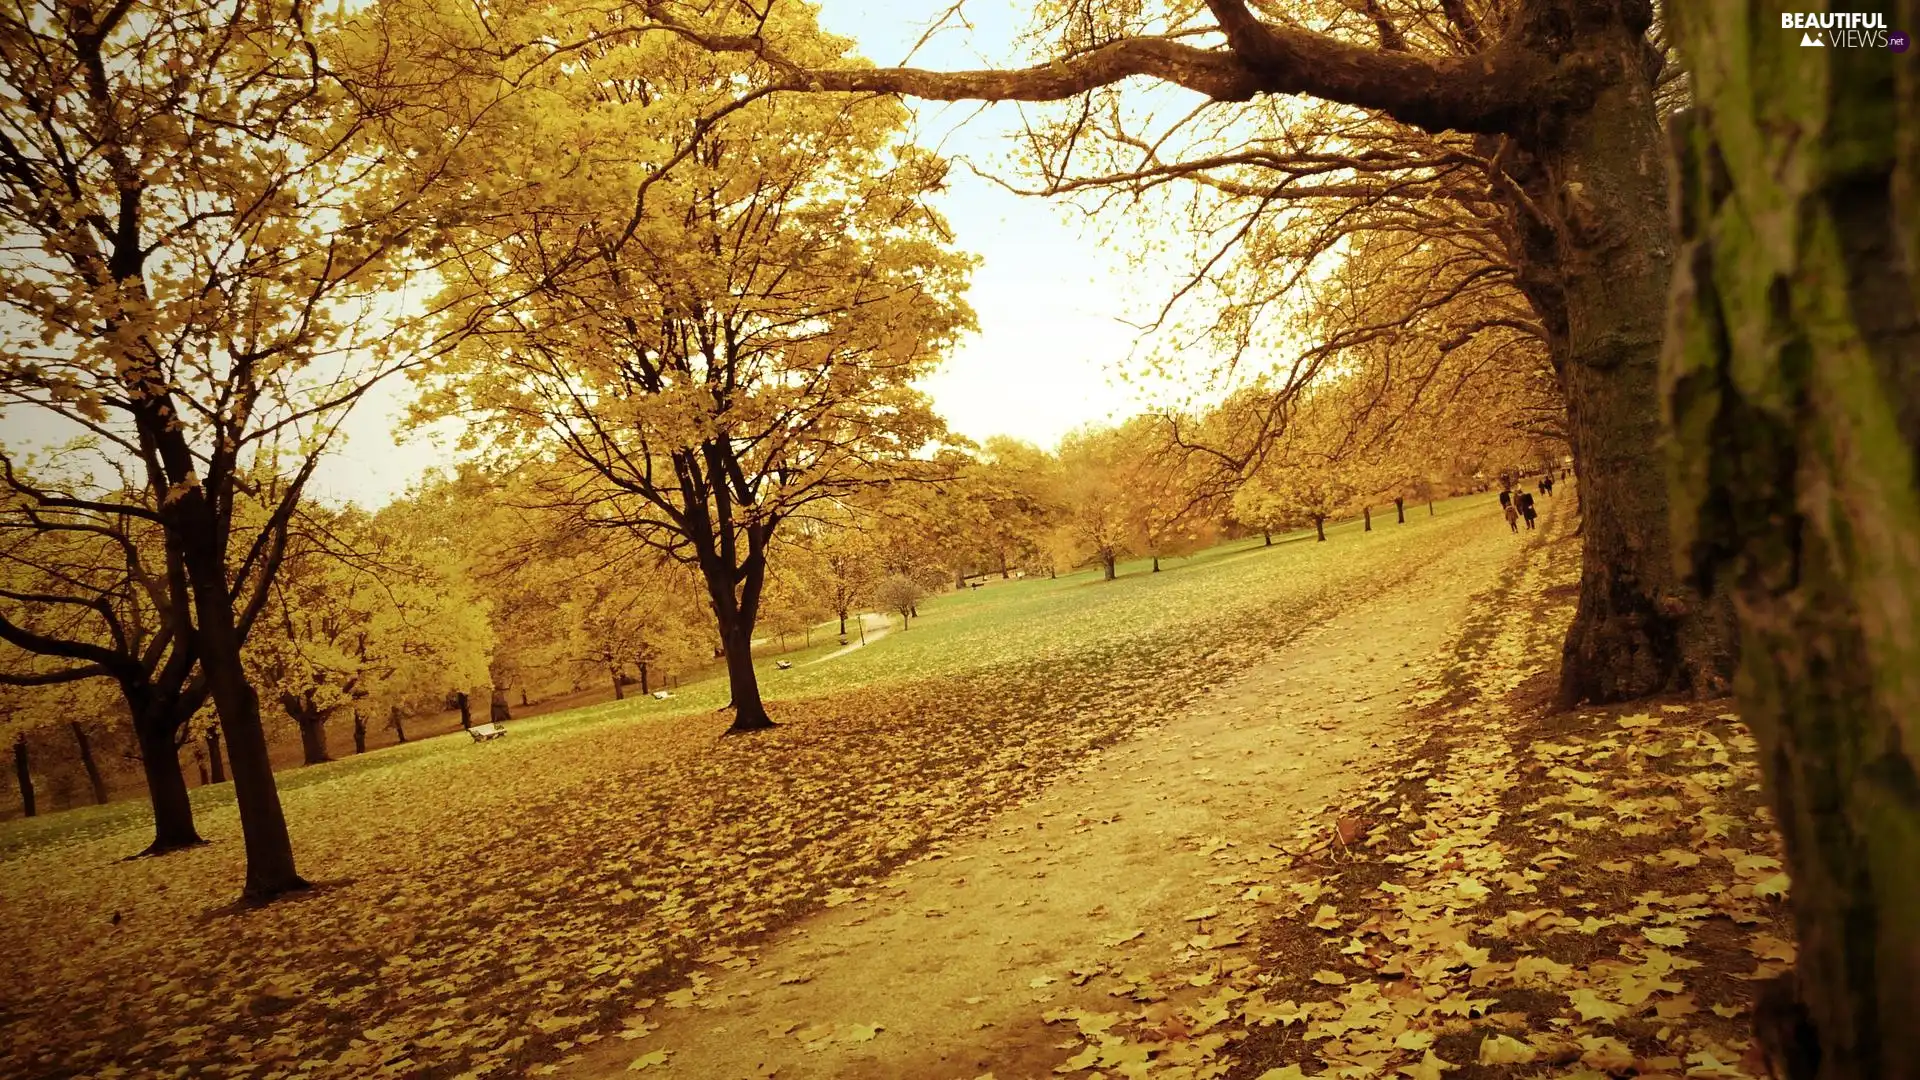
[(1513, 513), (1526, 507), (1506, 498)]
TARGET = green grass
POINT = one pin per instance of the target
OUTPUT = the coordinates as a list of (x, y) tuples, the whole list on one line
[(1070, 620)]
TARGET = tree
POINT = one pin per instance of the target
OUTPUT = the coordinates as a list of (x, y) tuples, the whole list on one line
[(900, 593), (1793, 396), (90, 591), (1169, 498), (360, 613), (1003, 498), (202, 236), (628, 610), (1095, 523), (730, 335), (839, 562), (1558, 99)]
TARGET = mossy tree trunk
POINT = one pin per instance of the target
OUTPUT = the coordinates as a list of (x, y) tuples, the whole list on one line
[(1793, 397)]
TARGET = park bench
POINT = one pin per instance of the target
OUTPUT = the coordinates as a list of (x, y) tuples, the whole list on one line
[(783, 664), (661, 695), (483, 732)]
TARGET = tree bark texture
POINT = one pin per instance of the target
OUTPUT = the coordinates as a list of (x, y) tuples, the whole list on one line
[(499, 710), (359, 733), (1400, 510), (1320, 528), (94, 779), (1366, 515), (399, 726), (1793, 399), (466, 709)]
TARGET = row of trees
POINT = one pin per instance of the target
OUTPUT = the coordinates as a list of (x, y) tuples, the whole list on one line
[(1524, 146), (682, 256)]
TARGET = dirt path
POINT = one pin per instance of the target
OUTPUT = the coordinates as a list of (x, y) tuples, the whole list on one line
[(945, 968), (878, 626)]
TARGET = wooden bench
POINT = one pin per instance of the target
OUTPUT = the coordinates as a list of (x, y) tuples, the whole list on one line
[(483, 732)]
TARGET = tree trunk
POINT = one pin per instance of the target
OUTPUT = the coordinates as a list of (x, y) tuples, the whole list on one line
[(498, 709), (843, 622), (523, 697), (613, 675), (645, 687), (959, 580), (1400, 511), (1429, 507), (1366, 515), (1106, 565), (1005, 573), (1794, 407), (1267, 536), (749, 713), (393, 718), (94, 780), (24, 775), (263, 824), (313, 737), (1320, 528), (359, 733), (1594, 256), (466, 709), (214, 761), (1156, 564), (173, 826)]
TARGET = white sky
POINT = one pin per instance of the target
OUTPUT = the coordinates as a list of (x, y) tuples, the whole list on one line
[(1051, 297)]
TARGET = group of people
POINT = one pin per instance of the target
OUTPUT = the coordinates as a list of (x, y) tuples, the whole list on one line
[(1519, 504)]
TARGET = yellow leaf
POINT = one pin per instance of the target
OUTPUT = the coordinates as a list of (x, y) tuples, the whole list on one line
[(648, 1060), (1429, 1068), (1505, 1050)]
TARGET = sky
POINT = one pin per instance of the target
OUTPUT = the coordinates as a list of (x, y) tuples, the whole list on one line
[(1053, 297)]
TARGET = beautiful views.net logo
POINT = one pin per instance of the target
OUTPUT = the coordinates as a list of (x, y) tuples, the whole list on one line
[(1842, 29)]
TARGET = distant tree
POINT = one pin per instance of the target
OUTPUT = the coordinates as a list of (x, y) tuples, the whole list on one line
[(900, 593), (745, 348), (1096, 525)]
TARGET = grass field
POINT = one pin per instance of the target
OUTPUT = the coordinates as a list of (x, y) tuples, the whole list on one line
[(491, 906)]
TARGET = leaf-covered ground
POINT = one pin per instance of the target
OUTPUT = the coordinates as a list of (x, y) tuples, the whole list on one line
[(1525, 895), (486, 909)]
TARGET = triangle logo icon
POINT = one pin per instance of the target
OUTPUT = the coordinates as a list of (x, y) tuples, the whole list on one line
[(1807, 39)]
